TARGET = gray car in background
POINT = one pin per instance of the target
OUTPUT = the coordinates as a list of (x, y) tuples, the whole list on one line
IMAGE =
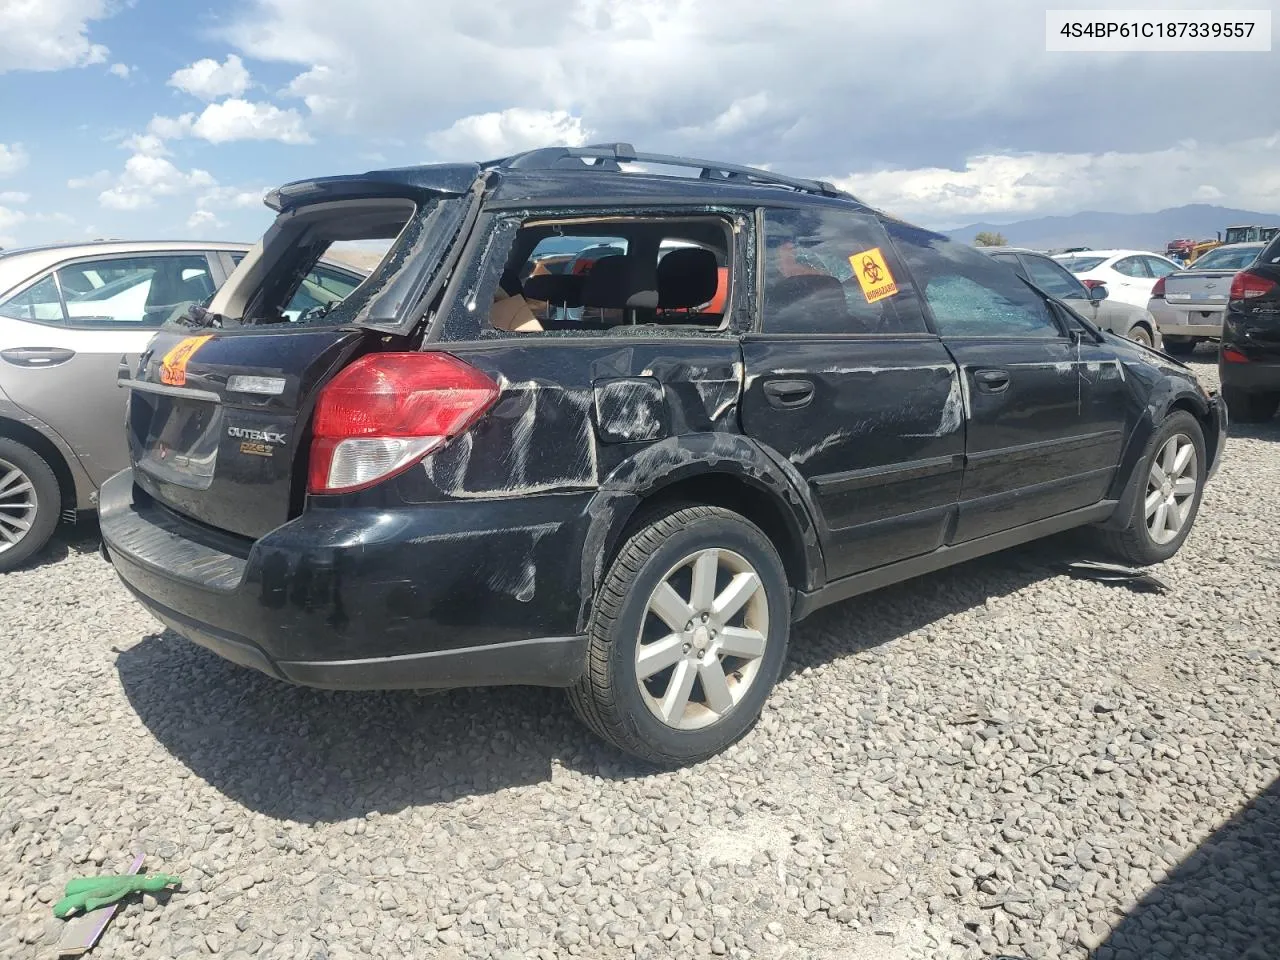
[(1092, 303), (1189, 305), (68, 314)]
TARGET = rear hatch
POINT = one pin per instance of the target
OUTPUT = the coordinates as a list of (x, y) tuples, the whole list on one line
[(221, 402), (226, 445)]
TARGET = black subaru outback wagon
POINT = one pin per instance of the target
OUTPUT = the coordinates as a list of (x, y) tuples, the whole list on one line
[(595, 427)]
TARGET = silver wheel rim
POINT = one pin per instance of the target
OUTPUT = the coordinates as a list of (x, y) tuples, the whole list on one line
[(18, 505), (702, 638), (1139, 335), (1171, 488)]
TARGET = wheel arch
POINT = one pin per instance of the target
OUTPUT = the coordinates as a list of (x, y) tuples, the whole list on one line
[(1133, 466), (48, 451), (1204, 416), (721, 470), (1147, 324)]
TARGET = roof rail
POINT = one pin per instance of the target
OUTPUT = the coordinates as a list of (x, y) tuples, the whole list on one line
[(608, 157)]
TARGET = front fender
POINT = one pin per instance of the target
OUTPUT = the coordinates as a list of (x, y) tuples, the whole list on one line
[(1163, 384)]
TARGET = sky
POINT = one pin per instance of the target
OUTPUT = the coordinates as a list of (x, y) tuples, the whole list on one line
[(168, 119)]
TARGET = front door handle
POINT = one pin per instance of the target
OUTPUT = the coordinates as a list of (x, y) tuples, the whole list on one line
[(992, 381), (788, 394), (36, 356)]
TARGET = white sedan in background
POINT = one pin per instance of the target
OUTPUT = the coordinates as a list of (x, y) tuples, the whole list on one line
[(1128, 274)]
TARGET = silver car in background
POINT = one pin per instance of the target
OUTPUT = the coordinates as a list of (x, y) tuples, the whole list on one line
[(1188, 305), (68, 315)]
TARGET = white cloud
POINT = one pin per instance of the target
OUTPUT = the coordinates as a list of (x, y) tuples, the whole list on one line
[(14, 196), (246, 120), (121, 70), (1015, 185), (202, 220), (231, 119), (486, 135), (737, 117), (208, 79), (50, 34), (171, 128), (94, 181), (857, 86), (8, 220), (147, 177), (12, 159), (145, 143), (231, 198)]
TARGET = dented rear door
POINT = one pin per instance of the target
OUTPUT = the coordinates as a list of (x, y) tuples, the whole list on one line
[(846, 383)]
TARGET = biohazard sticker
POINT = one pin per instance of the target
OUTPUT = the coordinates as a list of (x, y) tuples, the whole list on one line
[(173, 368), (873, 275)]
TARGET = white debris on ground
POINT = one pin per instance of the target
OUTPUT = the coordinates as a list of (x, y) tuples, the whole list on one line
[(993, 759)]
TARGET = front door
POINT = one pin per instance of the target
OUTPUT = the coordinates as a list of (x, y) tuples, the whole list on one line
[(1036, 447), (845, 381), (62, 339)]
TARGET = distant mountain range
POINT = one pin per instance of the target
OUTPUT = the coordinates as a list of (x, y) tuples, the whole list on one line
[(1138, 231)]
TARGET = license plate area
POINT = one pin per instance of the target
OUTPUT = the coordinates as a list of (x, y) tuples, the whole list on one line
[(182, 439)]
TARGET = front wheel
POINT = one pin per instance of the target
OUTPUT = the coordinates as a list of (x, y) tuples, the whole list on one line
[(687, 637), (1168, 496)]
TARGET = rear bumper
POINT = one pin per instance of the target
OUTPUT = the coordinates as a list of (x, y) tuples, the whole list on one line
[(440, 595), (1178, 320), (1259, 376)]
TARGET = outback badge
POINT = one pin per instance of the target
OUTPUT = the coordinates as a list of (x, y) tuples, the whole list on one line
[(257, 443)]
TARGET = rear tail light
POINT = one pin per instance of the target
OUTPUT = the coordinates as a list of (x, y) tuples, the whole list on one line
[(386, 412), (1091, 284), (1232, 355), (1157, 291), (1246, 285)]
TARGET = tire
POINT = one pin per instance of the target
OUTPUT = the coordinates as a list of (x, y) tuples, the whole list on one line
[(1140, 334), (1251, 407), (25, 478), (1144, 539), (620, 707), (1180, 346)]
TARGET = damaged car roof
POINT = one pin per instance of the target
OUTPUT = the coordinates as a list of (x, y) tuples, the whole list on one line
[(588, 176)]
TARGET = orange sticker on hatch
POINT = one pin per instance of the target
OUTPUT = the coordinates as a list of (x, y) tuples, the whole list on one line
[(173, 368), (873, 275)]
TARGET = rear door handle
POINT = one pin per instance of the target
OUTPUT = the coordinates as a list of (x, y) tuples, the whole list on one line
[(788, 394), (36, 356), (992, 381)]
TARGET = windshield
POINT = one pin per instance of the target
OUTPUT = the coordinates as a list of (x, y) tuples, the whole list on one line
[(1235, 258), (1080, 264)]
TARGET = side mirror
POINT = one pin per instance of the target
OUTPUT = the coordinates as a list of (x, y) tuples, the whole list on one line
[(1098, 292)]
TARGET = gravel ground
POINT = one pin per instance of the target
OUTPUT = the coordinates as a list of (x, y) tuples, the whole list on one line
[(993, 759)]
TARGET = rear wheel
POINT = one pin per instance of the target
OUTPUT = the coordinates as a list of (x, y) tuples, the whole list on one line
[(1168, 496), (1180, 346), (687, 637), (1251, 407), (30, 503), (1140, 334)]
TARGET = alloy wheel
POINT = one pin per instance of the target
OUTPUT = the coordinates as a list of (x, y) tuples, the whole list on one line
[(1171, 488), (702, 637), (18, 505)]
